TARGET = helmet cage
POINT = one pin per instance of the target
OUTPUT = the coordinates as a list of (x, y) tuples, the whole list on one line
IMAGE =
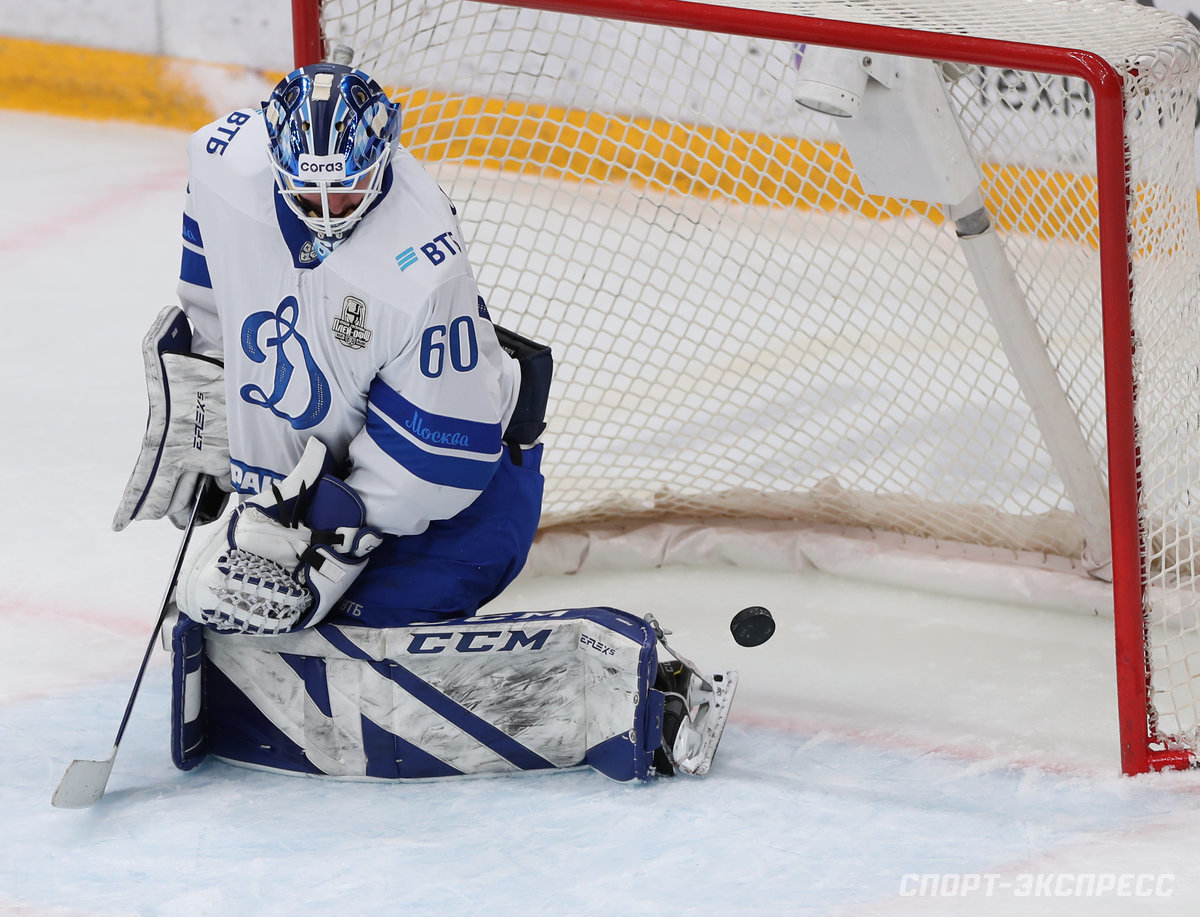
[(331, 131)]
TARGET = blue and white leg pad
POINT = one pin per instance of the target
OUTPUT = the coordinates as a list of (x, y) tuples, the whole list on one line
[(485, 695)]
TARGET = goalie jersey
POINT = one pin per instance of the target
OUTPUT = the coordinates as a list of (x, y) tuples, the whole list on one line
[(382, 348)]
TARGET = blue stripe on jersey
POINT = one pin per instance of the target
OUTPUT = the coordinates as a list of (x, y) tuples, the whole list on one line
[(194, 269), (250, 479), (446, 470), (435, 429), (191, 231)]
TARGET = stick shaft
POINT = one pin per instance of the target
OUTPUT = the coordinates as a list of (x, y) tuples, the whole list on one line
[(163, 610), (84, 781)]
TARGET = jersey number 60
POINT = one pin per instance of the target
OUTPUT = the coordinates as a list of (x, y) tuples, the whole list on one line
[(459, 339)]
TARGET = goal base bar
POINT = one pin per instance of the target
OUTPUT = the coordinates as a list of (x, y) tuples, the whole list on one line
[(1175, 759)]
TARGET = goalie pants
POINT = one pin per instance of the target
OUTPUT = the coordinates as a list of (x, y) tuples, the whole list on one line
[(456, 565)]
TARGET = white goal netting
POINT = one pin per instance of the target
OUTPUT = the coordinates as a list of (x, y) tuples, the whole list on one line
[(742, 332)]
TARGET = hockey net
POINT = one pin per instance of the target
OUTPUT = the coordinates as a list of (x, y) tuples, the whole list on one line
[(746, 328)]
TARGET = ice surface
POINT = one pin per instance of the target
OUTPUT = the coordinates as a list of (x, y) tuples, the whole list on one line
[(881, 733)]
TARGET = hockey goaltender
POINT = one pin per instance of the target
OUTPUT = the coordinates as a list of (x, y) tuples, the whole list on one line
[(333, 365)]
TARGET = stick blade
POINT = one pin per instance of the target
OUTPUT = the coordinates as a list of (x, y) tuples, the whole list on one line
[(83, 783)]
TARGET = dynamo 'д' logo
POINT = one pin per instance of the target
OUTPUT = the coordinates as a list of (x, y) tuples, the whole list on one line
[(299, 397)]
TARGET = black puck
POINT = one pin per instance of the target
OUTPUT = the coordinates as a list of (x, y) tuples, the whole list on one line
[(752, 626)]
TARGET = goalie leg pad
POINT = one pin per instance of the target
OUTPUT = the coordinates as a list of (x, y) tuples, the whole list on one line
[(492, 694), (188, 744)]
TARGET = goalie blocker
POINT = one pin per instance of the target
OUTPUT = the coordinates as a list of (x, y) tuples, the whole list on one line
[(187, 436), (491, 694)]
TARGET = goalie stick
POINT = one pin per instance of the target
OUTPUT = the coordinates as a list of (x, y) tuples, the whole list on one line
[(85, 781)]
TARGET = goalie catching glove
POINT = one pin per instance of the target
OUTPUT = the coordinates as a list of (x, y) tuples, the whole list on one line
[(285, 557)]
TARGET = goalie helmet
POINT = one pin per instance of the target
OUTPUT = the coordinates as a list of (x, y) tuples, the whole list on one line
[(331, 131)]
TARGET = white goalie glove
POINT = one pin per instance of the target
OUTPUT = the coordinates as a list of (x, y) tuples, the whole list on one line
[(284, 558), (186, 433)]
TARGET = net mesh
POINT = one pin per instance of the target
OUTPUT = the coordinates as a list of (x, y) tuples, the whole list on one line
[(740, 331)]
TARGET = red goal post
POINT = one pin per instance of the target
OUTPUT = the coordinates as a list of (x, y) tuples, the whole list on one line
[(1140, 242)]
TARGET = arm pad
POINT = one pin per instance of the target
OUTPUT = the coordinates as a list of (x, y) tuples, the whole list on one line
[(186, 431)]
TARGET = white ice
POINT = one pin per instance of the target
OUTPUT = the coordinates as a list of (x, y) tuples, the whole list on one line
[(882, 734)]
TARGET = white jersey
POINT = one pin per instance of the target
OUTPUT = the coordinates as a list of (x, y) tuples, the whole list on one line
[(383, 350)]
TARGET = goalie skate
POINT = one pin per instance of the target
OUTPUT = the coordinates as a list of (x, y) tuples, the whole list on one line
[(695, 711)]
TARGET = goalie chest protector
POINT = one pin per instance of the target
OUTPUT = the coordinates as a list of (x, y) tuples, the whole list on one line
[(493, 694)]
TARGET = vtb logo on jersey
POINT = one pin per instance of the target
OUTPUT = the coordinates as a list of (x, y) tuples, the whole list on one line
[(350, 328), (436, 250)]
